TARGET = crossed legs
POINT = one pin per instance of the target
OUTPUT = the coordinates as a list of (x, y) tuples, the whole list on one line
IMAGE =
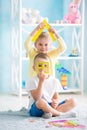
[(67, 106)]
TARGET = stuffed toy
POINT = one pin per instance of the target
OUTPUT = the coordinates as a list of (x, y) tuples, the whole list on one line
[(30, 16), (74, 15)]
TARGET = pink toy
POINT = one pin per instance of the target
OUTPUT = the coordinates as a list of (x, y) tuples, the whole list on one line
[(74, 15), (66, 124)]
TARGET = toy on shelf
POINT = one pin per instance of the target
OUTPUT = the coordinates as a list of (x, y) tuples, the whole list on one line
[(73, 15), (59, 21), (64, 81), (74, 53), (47, 26), (64, 75), (30, 16), (23, 84)]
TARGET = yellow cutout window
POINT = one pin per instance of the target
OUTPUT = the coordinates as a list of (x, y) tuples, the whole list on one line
[(42, 66)]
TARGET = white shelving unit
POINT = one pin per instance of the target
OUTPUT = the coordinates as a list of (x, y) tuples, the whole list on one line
[(75, 63)]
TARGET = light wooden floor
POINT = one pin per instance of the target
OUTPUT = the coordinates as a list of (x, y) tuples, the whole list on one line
[(12, 102)]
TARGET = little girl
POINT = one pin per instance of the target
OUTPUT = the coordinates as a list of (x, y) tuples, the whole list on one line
[(42, 45)]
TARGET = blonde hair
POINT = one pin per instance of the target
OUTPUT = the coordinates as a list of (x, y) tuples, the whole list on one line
[(43, 35), (41, 55)]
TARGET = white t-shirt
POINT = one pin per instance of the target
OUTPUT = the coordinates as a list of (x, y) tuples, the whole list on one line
[(51, 85)]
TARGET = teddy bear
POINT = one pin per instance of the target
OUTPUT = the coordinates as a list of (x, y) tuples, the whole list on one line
[(73, 15), (30, 16)]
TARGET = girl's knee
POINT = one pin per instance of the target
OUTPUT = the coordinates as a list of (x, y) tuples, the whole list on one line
[(40, 103), (73, 102)]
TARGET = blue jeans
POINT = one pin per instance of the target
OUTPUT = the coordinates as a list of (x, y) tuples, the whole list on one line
[(34, 111)]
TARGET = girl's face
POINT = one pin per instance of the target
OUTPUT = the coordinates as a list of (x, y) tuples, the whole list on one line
[(43, 45)]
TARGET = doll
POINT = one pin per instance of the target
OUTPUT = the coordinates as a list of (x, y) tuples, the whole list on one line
[(74, 15)]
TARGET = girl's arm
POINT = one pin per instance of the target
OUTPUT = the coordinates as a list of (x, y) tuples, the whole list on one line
[(55, 100), (61, 44), (40, 26), (28, 41)]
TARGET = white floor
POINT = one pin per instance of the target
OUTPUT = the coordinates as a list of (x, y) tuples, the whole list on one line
[(12, 102)]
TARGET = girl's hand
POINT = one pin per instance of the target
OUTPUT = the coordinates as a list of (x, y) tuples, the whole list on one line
[(52, 30), (54, 103), (40, 26)]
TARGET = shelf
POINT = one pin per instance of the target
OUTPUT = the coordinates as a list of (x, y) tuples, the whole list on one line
[(73, 35), (69, 58), (63, 26), (55, 24), (61, 91), (24, 92), (70, 91), (59, 58), (25, 58)]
